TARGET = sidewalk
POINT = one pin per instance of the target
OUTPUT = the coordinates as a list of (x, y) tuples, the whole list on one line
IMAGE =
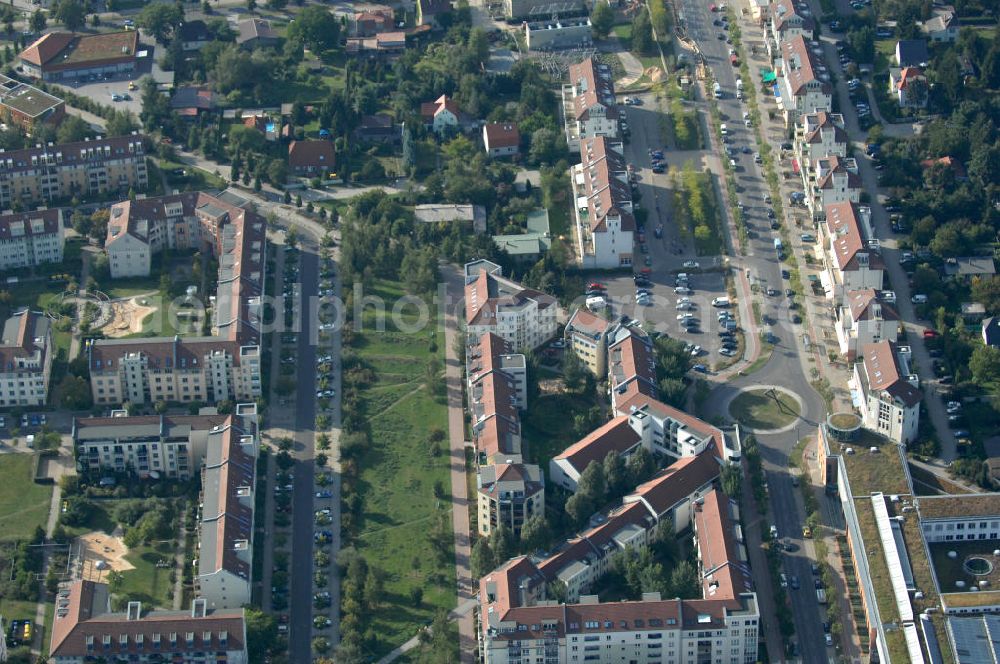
[(459, 486)]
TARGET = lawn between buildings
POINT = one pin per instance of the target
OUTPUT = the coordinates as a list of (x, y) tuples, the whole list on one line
[(399, 471), (24, 505)]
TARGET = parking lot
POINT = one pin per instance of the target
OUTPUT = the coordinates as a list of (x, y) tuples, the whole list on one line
[(668, 307), (102, 90)]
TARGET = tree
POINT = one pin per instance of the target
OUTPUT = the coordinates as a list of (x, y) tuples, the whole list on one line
[(602, 19), (251, 6), (642, 34), (987, 291), (72, 129), (502, 544), (75, 393), (70, 13), (547, 146), (640, 466), (120, 123), (160, 19), (481, 560), (535, 534), (615, 474), (985, 365), (579, 507), (732, 479), (684, 581), (575, 373), (316, 28), (37, 22), (592, 482), (262, 634)]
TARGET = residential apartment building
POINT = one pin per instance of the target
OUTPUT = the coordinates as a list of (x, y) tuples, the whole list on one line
[(805, 86), (172, 446), (41, 174), (786, 20), (490, 353), (508, 494), (525, 317), (85, 628), (586, 334), (29, 239), (669, 431), (852, 256), (26, 106), (831, 180), (865, 318), (888, 392), (604, 221), (817, 135), (508, 491), (631, 366), (517, 622), (25, 360), (225, 366), (615, 437), (65, 56), (226, 514), (588, 102)]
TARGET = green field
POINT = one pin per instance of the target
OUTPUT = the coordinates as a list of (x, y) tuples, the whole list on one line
[(398, 474), (24, 505)]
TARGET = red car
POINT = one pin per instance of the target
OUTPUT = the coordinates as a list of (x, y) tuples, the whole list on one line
[(930, 334), (598, 286), (713, 8)]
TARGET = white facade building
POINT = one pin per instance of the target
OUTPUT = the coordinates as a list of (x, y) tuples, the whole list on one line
[(804, 88), (605, 225), (25, 360), (889, 394), (525, 317), (28, 239), (853, 258), (588, 100), (865, 318)]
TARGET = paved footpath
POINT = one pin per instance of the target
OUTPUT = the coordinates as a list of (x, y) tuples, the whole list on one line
[(459, 486)]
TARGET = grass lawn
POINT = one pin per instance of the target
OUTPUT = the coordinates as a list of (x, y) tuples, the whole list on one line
[(764, 409), (398, 475), (12, 609), (193, 179), (100, 519), (546, 426), (24, 505), (133, 286), (148, 583)]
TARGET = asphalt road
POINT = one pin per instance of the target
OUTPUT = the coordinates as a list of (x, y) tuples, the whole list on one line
[(786, 366), (300, 597)]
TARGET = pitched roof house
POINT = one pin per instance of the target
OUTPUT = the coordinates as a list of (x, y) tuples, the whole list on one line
[(909, 86), (429, 11), (193, 35), (912, 53), (311, 157), (255, 32), (443, 114), (501, 139)]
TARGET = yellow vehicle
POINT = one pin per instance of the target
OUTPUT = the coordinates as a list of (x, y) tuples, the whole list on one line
[(806, 532), (131, 85)]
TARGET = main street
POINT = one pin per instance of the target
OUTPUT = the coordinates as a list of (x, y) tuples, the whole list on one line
[(787, 366)]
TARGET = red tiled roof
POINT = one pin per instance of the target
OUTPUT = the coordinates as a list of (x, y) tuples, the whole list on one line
[(594, 86), (501, 135), (605, 184), (46, 47), (798, 65), (723, 574), (860, 302), (676, 482), (883, 373), (659, 409), (587, 322), (316, 154), (844, 229), (616, 436)]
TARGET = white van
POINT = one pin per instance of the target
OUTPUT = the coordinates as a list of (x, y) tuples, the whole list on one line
[(919, 298), (723, 130), (596, 303), (722, 301)]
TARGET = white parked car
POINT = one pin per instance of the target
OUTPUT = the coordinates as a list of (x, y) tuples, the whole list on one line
[(691, 265)]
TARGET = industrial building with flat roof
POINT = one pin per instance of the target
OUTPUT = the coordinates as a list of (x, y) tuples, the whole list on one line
[(26, 106)]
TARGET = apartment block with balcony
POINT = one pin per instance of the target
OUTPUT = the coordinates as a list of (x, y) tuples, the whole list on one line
[(615, 437), (786, 20), (888, 393), (805, 86), (588, 102), (41, 174), (586, 334), (631, 366), (85, 629), (490, 353), (226, 514), (25, 360), (866, 317), (853, 257), (523, 316), (509, 494), (604, 222), (831, 180), (29, 239), (817, 135), (224, 366)]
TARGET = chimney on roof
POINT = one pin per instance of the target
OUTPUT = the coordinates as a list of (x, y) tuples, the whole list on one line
[(199, 607)]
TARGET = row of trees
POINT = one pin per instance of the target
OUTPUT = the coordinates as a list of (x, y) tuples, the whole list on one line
[(605, 483)]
